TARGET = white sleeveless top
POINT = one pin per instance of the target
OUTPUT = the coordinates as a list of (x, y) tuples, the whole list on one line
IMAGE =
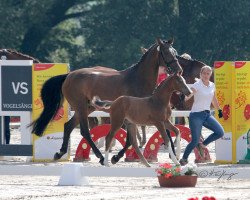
[(203, 96)]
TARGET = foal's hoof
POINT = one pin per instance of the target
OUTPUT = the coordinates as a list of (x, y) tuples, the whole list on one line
[(115, 159), (101, 161), (57, 156)]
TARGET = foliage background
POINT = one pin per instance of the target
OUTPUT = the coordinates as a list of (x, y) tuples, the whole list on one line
[(110, 32)]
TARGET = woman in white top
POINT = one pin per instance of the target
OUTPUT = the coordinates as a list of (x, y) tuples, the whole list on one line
[(204, 95)]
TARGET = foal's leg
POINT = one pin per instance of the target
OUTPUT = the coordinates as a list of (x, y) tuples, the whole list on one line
[(105, 120), (117, 121), (108, 140), (170, 126), (68, 128), (135, 145), (161, 128), (117, 157)]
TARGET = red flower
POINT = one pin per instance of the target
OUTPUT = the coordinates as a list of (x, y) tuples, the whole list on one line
[(178, 169), (205, 198), (168, 175), (194, 198), (167, 166)]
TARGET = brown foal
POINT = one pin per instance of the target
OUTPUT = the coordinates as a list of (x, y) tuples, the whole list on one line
[(153, 110)]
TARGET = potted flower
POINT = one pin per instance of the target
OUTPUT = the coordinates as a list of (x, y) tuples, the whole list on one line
[(176, 175)]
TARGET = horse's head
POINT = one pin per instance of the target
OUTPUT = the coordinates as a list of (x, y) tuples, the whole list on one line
[(168, 56), (179, 84)]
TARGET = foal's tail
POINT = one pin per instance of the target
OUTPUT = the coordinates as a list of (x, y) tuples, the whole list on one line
[(52, 98), (97, 102)]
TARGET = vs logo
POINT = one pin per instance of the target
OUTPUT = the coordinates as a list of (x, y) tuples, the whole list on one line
[(20, 87)]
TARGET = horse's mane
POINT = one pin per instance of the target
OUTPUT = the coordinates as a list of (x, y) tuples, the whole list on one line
[(189, 59), (21, 54), (142, 58), (162, 83)]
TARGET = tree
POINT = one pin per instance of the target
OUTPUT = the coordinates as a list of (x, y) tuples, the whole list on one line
[(117, 29)]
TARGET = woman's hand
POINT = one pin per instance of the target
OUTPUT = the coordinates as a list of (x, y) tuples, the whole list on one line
[(220, 113)]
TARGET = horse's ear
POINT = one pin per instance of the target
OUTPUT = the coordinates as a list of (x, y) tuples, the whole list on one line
[(143, 50), (159, 41), (171, 41)]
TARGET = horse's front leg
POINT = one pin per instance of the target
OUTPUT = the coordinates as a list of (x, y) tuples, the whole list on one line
[(170, 126), (68, 128), (161, 128)]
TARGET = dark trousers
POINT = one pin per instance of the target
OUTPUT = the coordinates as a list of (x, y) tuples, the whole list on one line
[(7, 129)]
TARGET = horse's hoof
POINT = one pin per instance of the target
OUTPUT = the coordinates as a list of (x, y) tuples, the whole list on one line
[(101, 161), (57, 156), (115, 159)]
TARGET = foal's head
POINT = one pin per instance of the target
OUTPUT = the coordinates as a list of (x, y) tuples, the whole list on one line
[(179, 84)]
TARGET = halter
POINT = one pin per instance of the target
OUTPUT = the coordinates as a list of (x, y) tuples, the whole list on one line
[(169, 70)]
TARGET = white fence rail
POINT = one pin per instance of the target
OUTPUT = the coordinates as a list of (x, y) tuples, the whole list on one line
[(76, 173)]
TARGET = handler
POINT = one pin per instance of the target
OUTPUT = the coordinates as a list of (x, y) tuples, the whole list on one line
[(200, 115)]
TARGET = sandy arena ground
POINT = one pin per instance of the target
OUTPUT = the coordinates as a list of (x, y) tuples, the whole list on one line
[(102, 188)]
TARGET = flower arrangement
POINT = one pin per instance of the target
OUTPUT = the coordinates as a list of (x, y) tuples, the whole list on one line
[(167, 170), (203, 198)]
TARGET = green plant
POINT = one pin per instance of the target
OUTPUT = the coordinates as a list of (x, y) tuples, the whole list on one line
[(167, 170)]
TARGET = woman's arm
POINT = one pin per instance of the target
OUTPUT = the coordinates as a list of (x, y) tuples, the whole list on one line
[(215, 103), (189, 97)]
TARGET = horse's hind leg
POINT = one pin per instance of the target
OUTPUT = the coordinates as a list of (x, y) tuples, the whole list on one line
[(139, 137), (144, 139), (86, 134), (93, 122), (68, 127)]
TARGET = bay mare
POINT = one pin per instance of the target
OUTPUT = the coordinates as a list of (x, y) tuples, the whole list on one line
[(153, 110), (191, 70), (80, 86)]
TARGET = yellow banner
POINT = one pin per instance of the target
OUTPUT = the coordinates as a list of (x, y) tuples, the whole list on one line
[(223, 74), (46, 146), (223, 81), (242, 107)]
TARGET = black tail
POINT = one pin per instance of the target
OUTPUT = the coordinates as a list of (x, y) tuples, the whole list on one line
[(52, 97), (97, 102)]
